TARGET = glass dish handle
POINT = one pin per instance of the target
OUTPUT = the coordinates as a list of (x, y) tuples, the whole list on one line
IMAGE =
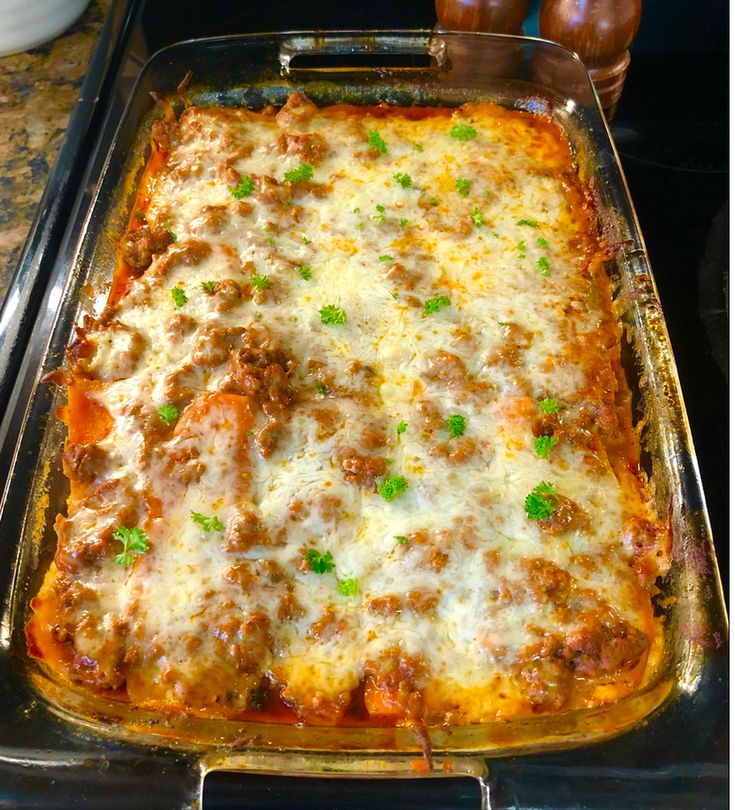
[(366, 51), (337, 766)]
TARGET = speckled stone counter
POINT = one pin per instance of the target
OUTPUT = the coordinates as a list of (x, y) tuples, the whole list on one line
[(38, 89)]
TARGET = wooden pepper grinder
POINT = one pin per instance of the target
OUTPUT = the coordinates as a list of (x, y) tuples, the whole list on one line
[(599, 31), (493, 16)]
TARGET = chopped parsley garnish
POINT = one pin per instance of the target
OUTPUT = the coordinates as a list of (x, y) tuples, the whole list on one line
[(168, 414), (332, 315), (543, 444), (380, 215), (521, 248), (322, 389), (401, 427), (433, 200), (271, 241), (303, 174), (258, 282), (401, 538), (243, 189), (376, 142), (307, 241), (477, 218), (209, 286), (463, 186), (463, 132), (541, 242), (549, 405), (543, 266), (456, 425), (167, 226), (417, 147), (541, 501), (385, 258), (530, 222), (134, 542), (319, 563), (209, 524), (390, 488), (304, 271), (179, 296), (432, 305), (403, 222), (403, 180), (348, 587)]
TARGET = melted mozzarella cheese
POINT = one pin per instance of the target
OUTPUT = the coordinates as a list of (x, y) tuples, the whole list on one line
[(441, 570)]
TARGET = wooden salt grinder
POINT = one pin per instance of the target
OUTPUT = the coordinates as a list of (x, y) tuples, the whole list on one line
[(493, 16), (600, 32)]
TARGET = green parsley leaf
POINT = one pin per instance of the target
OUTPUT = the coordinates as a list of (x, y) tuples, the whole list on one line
[(541, 242), (307, 241), (401, 427), (304, 271), (477, 218), (390, 488), (549, 405), (179, 296), (463, 132), (168, 414), (456, 425), (243, 189), (209, 287), (332, 315), (417, 147), (167, 226), (543, 265), (134, 542), (319, 563), (258, 282), (376, 142), (432, 305), (380, 215), (462, 186), (433, 200), (402, 539), (543, 444), (530, 222), (521, 248), (403, 222), (271, 241), (322, 389), (303, 174), (348, 587), (541, 501), (360, 226), (385, 258), (403, 180), (213, 524)]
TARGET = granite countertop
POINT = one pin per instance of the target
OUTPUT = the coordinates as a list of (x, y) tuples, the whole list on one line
[(38, 89)]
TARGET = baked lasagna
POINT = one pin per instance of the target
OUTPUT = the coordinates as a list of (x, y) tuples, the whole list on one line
[(351, 441)]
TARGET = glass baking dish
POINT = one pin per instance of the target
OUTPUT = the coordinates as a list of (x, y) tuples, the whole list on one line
[(408, 68)]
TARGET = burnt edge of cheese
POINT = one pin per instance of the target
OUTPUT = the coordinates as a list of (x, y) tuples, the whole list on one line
[(351, 442)]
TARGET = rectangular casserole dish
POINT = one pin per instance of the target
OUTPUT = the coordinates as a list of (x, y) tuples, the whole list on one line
[(444, 69)]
